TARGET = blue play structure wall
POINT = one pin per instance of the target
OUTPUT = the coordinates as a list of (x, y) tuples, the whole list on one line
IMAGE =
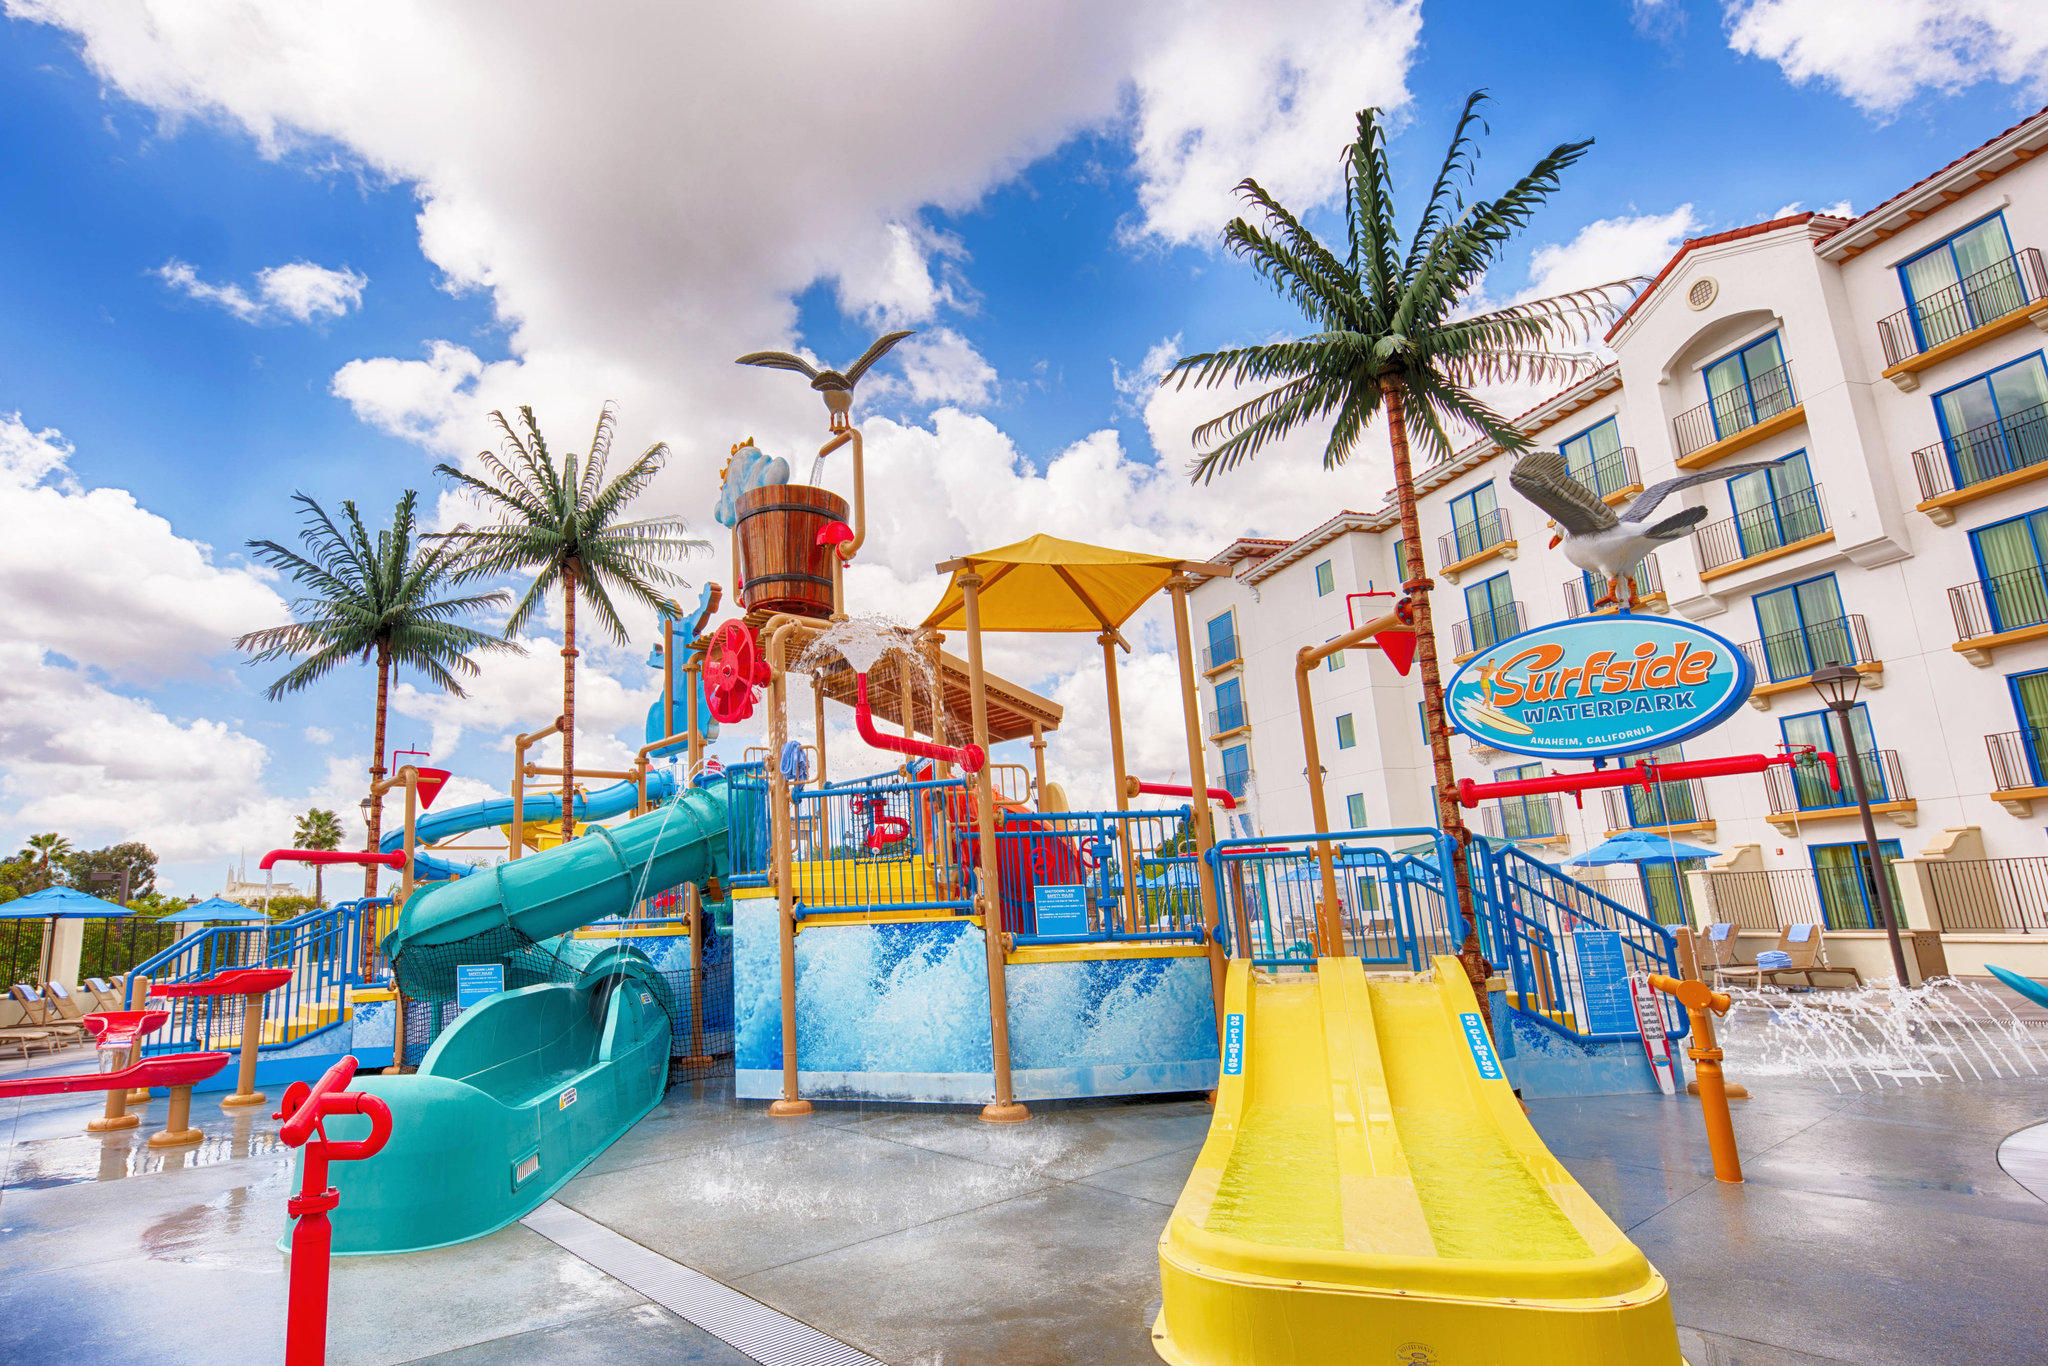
[(1545, 1063), (899, 1012)]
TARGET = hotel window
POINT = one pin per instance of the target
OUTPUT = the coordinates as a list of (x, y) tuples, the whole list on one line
[(1237, 768), (1326, 579), (1848, 895), (1490, 612), (1663, 891), (1803, 628), (1334, 662), (1996, 423), (1775, 507), (1229, 705), (1823, 730), (1594, 458), (1523, 817), (2030, 705), (1668, 803), (1354, 810), (1745, 388), (1473, 524), (1222, 640), (2014, 569), (1962, 283), (1347, 736), (1401, 574)]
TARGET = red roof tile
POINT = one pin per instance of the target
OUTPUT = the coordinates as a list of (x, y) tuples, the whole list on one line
[(1711, 239)]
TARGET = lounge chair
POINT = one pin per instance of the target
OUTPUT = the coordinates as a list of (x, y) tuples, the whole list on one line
[(1715, 948), (42, 1013), (1806, 944)]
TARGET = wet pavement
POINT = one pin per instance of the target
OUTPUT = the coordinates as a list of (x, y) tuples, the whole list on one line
[(1875, 1227)]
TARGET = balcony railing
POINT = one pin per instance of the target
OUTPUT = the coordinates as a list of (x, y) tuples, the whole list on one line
[(1789, 655), (1780, 522), (1722, 416), (1522, 818), (1641, 807), (1223, 719), (1236, 781), (1469, 538), (1768, 900), (2001, 288), (1470, 637), (2019, 758), (1997, 895), (1804, 785), (2016, 441), (2003, 602), (1611, 473), (1218, 653), (1649, 583)]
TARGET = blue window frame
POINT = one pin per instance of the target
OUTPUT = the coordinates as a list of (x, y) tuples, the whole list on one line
[(1802, 627), (1237, 767), (1229, 705), (1594, 457), (2030, 706), (1347, 733), (1848, 896), (1222, 639), (1996, 422), (1660, 803), (2013, 568), (1962, 282), (1354, 810), (1326, 579), (1490, 611), (1748, 385), (1334, 662), (1823, 730), (1775, 507), (1474, 525), (1523, 817)]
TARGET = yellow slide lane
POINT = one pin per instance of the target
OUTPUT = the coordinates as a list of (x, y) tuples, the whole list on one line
[(1367, 1195)]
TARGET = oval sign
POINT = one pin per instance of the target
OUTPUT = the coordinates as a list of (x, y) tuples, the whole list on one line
[(1598, 686)]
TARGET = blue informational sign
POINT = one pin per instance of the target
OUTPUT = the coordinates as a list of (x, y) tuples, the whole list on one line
[(1481, 1046), (1061, 910), (1598, 686), (475, 982), (1233, 1045), (1603, 981)]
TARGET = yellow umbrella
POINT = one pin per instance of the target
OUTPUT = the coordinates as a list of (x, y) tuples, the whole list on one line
[(1048, 584)]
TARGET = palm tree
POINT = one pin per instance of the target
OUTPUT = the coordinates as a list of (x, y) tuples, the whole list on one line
[(1390, 339), (317, 829), (46, 854), (370, 598), (564, 524)]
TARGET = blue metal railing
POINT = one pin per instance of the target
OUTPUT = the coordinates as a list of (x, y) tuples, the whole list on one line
[(1392, 908), (1141, 886), (876, 844)]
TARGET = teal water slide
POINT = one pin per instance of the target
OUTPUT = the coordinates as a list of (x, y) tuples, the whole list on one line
[(540, 808), (524, 1089)]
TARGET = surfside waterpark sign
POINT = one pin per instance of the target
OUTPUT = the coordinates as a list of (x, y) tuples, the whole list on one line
[(1598, 686)]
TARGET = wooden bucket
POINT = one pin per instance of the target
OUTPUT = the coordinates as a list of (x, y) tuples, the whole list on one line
[(784, 567)]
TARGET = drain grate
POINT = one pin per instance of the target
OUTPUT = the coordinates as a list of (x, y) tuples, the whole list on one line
[(771, 1338)]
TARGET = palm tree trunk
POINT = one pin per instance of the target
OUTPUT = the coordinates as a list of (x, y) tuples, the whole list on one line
[(1434, 721), (320, 887), (375, 819), (568, 700)]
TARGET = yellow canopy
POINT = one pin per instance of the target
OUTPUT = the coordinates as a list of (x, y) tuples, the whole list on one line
[(1047, 584)]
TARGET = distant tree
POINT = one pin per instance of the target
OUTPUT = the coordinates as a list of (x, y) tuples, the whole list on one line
[(317, 829), (45, 854), (83, 869)]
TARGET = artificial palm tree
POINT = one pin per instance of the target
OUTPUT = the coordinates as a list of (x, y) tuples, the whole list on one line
[(317, 829), (1392, 337), (564, 524), (370, 597), (46, 854)]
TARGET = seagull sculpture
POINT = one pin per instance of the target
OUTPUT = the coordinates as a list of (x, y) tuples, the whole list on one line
[(835, 385), (1594, 536)]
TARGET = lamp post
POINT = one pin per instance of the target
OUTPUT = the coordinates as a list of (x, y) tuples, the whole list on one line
[(1838, 685)]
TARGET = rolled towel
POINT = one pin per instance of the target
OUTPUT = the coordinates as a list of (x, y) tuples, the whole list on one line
[(1771, 959)]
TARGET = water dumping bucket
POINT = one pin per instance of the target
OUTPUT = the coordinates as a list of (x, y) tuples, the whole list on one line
[(782, 564)]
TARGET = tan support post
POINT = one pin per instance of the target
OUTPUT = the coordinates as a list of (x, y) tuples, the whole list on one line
[(1198, 786), (252, 1035), (520, 744), (1004, 1109), (779, 628), (177, 1131), (1038, 756), (1109, 640), (696, 727), (818, 722), (693, 912), (138, 998)]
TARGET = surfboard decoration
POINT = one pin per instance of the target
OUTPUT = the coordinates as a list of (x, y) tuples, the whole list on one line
[(1656, 1044)]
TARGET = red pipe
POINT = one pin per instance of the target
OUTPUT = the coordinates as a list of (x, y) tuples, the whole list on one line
[(390, 860), (1646, 773), (1216, 794), (304, 1111), (969, 757)]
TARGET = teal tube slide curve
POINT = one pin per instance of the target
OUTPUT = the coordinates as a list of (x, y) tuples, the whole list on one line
[(541, 808)]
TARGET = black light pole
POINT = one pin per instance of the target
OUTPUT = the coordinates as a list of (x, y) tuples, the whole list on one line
[(1838, 685)]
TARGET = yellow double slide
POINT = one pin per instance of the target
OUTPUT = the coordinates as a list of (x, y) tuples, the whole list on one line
[(1371, 1192)]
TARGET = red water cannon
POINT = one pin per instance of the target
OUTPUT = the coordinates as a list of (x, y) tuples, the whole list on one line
[(1134, 786), (970, 757), (305, 1112)]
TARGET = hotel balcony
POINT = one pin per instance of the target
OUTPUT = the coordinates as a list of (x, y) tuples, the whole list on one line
[(1785, 662), (1993, 613), (1613, 476), (1228, 721), (1237, 783), (2019, 768), (1994, 301), (1219, 655), (1468, 638), (1982, 461), (1538, 819), (1800, 793), (1474, 543), (1677, 809), (1649, 589), (1780, 527), (1739, 418)]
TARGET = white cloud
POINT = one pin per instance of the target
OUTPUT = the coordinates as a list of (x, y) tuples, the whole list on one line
[(298, 290), (429, 401), (1839, 209), (1610, 249), (1135, 386), (319, 735), (936, 366), (1882, 53), (91, 575), (893, 283)]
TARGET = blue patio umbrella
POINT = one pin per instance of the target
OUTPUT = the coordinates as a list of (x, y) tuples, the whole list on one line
[(1645, 846), (59, 903), (213, 910)]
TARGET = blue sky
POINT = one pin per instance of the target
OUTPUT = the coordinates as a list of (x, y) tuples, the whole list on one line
[(492, 208)]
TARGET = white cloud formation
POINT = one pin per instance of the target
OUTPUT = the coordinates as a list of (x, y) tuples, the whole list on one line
[(936, 366), (91, 575), (1882, 53), (1610, 249), (298, 290), (319, 735), (1135, 386)]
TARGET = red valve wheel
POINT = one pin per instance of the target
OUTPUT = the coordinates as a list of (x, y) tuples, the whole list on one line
[(734, 672)]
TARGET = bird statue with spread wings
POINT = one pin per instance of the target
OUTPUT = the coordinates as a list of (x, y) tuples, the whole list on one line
[(1595, 537), (835, 385)]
